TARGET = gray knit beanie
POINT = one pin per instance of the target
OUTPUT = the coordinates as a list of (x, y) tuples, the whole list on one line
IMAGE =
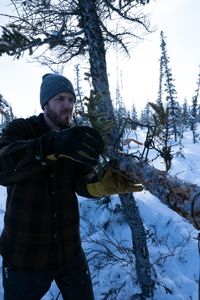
[(52, 85)]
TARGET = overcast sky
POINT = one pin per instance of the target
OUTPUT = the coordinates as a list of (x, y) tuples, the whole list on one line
[(180, 21)]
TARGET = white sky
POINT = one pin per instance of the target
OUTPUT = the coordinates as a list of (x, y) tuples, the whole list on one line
[(20, 80)]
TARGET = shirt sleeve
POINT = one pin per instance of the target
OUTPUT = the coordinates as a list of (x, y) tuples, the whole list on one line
[(20, 153)]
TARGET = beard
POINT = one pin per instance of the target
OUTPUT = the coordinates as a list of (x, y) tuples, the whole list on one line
[(62, 120)]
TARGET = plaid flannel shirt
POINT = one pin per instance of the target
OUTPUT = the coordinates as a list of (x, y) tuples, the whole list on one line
[(41, 224)]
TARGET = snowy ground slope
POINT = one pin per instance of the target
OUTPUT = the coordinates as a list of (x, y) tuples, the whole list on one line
[(172, 240)]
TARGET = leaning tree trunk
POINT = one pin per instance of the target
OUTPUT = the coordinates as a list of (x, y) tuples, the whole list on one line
[(183, 197), (101, 115), (101, 103)]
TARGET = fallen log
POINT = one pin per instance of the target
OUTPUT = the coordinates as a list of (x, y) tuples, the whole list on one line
[(181, 196)]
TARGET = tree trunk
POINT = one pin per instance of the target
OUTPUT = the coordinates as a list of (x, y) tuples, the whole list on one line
[(140, 249), (181, 196), (104, 118), (98, 67)]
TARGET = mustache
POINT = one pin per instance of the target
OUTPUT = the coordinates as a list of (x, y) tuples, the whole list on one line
[(67, 110)]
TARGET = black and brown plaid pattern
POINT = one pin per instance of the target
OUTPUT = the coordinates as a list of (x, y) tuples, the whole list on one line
[(41, 229)]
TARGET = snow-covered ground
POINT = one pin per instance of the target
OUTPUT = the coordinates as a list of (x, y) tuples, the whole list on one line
[(172, 241)]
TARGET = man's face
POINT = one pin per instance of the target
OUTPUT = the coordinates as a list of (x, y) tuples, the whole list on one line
[(59, 110)]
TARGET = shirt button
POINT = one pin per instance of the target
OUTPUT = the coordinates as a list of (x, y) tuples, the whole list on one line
[(55, 235), (54, 215)]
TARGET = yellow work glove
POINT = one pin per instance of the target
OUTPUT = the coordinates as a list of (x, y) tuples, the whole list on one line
[(112, 183)]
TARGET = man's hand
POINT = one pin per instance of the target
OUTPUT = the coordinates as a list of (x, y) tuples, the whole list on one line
[(112, 182), (80, 143)]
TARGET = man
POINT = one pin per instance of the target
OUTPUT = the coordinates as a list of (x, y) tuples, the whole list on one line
[(44, 162)]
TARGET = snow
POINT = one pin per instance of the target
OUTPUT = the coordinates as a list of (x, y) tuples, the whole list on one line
[(172, 241)]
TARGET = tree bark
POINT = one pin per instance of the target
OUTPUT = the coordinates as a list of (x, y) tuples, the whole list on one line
[(97, 60), (181, 196), (140, 249)]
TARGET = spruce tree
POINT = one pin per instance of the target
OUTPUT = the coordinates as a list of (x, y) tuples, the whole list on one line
[(166, 78), (162, 133), (80, 114), (194, 111), (146, 117), (6, 112), (133, 113), (185, 115)]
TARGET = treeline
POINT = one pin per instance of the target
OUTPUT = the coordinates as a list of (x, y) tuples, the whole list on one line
[(167, 114), (6, 113), (170, 118)]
